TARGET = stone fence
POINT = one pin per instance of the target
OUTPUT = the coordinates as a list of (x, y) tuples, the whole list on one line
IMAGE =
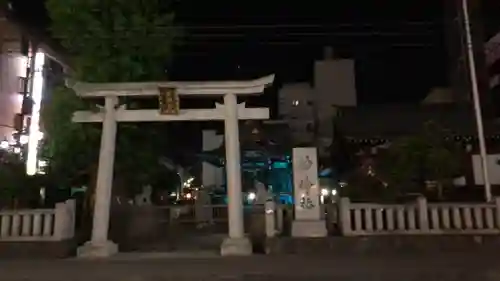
[(197, 213), (361, 219), (418, 218), (39, 224)]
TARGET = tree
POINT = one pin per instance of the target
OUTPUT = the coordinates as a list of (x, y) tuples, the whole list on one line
[(115, 40), (109, 41), (412, 161), (72, 148), (16, 188)]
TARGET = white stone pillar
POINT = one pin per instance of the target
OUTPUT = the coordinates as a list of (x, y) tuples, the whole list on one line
[(236, 243), (99, 245), (308, 217)]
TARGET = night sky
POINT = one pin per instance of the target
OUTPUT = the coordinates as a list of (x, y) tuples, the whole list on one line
[(398, 45)]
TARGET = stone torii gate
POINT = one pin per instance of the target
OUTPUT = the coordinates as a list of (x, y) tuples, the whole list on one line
[(112, 112)]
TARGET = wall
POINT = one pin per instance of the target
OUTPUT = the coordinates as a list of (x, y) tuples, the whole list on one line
[(309, 109), (297, 109), (334, 86), (493, 161), (9, 70), (10, 102), (334, 83)]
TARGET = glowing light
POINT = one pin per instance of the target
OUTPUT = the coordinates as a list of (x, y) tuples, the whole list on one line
[(24, 139), (22, 65), (188, 182), (4, 144), (188, 196), (251, 196), (20, 99), (36, 95), (334, 192), (42, 193), (324, 192)]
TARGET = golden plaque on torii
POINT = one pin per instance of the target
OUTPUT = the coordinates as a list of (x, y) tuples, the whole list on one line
[(169, 101)]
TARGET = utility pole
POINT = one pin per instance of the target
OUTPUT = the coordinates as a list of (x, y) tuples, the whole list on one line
[(476, 100)]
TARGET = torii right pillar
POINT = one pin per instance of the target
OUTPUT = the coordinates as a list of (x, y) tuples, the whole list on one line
[(236, 244)]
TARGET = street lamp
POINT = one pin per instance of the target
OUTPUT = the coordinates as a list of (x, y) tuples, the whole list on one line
[(477, 104)]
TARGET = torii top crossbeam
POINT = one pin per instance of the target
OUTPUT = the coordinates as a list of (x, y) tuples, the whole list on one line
[(213, 88)]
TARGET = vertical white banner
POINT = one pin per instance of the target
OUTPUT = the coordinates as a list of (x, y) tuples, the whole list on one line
[(306, 184)]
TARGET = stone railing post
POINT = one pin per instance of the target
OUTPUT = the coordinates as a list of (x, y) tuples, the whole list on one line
[(172, 214), (345, 216), (497, 211), (270, 218), (423, 218), (64, 224), (280, 213)]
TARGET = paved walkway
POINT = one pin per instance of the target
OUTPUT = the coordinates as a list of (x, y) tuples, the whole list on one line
[(157, 268)]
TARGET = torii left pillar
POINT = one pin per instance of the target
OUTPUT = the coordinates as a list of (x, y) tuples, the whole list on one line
[(99, 245)]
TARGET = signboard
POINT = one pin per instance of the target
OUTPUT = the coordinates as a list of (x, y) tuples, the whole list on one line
[(306, 184), (168, 101)]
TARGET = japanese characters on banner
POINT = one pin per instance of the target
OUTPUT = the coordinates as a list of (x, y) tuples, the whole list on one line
[(305, 180)]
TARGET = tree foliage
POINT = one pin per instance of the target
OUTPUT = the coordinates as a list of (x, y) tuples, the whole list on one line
[(115, 40), (71, 147), (109, 41), (412, 160), (15, 185)]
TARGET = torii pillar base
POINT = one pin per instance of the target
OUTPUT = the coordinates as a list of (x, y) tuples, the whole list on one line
[(236, 247), (97, 250)]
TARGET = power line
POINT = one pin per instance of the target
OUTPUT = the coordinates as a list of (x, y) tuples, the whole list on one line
[(215, 49), (326, 25), (305, 43), (243, 28), (291, 34)]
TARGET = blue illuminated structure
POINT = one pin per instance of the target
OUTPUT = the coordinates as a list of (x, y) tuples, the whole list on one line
[(264, 158)]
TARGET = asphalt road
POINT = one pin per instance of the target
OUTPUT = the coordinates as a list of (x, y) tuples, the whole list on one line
[(461, 267)]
